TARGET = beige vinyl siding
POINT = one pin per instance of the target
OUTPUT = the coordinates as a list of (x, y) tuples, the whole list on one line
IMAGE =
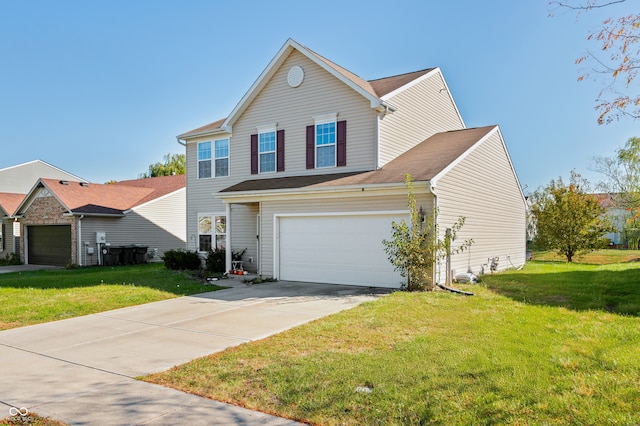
[(243, 233), (7, 238), (484, 189), (159, 225), (21, 178), (167, 214), (293, 110), (422, 111), (200, 192), (337, 205)]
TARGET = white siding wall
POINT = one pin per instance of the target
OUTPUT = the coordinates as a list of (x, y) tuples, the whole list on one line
[(344, 204), (423, 110), (484, 189), (21, 178)]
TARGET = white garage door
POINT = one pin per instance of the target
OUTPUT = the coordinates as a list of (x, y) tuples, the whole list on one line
[(337, 250)]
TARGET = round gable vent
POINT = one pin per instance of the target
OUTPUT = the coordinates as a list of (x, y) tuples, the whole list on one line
[(295, 76)]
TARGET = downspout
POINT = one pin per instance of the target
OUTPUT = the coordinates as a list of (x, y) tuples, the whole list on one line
[(79, 242), (432, 189)]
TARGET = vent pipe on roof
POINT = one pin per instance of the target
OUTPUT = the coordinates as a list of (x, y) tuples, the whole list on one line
[(64, 182)]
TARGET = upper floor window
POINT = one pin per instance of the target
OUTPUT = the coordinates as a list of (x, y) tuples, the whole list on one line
[(204, 160), (267, 151), (326, 144), (216, 161), (222, 157)]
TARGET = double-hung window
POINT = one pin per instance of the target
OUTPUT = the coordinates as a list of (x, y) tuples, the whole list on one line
[(221, 157), (326, 144), (212, 232), (213, 159), (204, 160), (267, 151)]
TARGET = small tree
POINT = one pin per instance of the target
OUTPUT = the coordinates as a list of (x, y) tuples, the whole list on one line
[(568, 219), (415, 248)]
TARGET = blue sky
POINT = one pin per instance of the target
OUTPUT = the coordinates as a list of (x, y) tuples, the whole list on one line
[(101, 88)]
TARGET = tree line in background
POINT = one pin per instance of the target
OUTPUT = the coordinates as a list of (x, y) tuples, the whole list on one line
[(571, 219), (173, 164)]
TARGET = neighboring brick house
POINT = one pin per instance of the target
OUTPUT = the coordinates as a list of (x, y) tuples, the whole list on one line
[(307, 174), (72, 222), (15, 182)]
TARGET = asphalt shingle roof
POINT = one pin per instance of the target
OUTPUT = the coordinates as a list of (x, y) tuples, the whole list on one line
[(424, 162)]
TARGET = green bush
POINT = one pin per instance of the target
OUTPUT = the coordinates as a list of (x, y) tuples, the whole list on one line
[(10, 259), (216, 261), (181, 260)]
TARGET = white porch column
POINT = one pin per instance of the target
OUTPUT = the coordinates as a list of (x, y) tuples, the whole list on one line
[(228, 249)]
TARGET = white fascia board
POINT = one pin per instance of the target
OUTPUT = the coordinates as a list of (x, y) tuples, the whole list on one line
[(433, 72), (375, 101), (495, 130), (436, 178), (46, 164), (284, 51), (214, 132), (259, 83), (411, 83), (513, 169), (324, 192)]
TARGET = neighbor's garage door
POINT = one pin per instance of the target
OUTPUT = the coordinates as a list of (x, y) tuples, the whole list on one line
[(337, 250), (49, 245)]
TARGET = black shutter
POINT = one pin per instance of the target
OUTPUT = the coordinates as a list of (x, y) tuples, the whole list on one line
[(280, 151), (254, 154), (311, 147), (341, 142)]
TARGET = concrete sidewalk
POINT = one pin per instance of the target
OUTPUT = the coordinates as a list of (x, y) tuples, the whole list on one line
[(82, 370)]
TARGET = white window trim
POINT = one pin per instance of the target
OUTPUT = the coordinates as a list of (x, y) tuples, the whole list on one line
[(271, 128), (213, 229), (214, 158), (325, 119), (210, 159)]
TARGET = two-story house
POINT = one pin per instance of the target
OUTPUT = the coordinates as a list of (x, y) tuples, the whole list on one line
[(307, 174)]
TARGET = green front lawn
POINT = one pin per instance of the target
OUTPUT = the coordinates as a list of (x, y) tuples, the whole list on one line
[(41, 296), (551, 344)]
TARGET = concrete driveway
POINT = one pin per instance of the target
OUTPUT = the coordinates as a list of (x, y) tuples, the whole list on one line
[(21, 268), (82, 370)]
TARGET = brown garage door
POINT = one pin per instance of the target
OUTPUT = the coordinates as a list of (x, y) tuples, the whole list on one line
[(49, 245)]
